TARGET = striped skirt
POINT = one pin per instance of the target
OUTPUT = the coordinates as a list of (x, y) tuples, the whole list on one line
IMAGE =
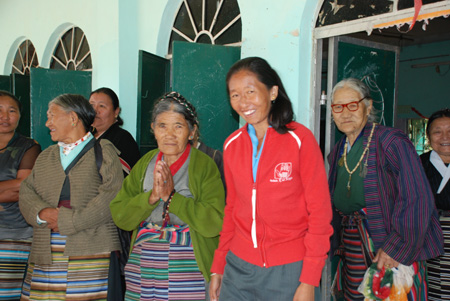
[(355, 260), (67, 278), (163, 266), (439, 268), (13, 263)]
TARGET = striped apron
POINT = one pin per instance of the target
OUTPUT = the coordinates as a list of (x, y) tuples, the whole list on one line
[(13, 262), (162, 265), (356, 254), (439, 267), (67, 278)]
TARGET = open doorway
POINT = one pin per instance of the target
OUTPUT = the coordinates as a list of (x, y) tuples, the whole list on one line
[(421, 70)]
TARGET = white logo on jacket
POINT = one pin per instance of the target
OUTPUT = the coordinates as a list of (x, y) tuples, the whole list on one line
[(282, 172)]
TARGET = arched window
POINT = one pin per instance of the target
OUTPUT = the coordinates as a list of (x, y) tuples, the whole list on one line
[(25, 58), (72, 52), (209, 22)]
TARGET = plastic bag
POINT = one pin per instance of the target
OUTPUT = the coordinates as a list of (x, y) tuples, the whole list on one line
[(403, 281), (388, 284)]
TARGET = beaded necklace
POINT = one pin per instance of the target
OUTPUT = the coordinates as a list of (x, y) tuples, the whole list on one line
[(363, 171)]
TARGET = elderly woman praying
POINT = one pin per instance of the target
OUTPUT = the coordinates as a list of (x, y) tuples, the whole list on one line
[(173, 200)]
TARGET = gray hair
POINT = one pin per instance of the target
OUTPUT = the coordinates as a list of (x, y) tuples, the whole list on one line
[(175, 102), (362, 89), (77, 104)]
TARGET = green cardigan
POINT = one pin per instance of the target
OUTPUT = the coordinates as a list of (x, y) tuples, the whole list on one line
[(203, 213)]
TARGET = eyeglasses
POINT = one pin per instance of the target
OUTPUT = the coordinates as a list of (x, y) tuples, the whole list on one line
[(351, 106)]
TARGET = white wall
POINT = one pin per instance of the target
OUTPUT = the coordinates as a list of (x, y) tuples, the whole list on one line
[(279, 31)]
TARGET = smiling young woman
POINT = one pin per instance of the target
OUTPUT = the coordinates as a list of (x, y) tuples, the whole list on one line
[(271, 247)]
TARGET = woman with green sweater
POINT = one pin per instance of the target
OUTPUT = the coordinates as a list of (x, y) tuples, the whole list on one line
[(173, 200)]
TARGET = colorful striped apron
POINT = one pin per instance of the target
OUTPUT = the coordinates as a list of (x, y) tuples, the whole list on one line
[(162, 265), (67, 278), (356, 254), (13, 262)]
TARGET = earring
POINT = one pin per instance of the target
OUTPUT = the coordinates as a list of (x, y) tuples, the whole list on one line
[(191, 137), (73, 124)]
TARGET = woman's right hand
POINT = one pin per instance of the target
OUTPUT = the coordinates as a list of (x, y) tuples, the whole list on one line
[(214, 287), (50, 215)]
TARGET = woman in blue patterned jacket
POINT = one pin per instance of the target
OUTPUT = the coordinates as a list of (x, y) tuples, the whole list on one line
[(384, 208)]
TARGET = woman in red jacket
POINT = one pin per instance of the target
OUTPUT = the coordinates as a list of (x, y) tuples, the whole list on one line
[(276, 231)]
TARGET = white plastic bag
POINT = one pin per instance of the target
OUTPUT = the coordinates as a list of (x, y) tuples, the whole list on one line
[(402, 281)]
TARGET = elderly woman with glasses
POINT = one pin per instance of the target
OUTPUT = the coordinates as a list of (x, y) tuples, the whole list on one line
[(384, 211)]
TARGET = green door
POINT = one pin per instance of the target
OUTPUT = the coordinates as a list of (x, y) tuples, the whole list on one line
[(46, 84), (5, 83), (376, 65), (21, 89), (198, 73), (154, 76)]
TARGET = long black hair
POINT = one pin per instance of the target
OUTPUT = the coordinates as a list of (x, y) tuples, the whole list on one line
[(114, 100), (13, 97), (281, 112)]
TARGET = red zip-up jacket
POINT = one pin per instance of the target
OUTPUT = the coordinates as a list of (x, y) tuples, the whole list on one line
[(283, 217)]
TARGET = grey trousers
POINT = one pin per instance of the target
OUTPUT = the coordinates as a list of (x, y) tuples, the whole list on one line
[(245, 281)]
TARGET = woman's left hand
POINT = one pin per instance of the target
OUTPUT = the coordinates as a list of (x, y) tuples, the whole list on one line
[(383, 259), (304, 292), (163, 180)]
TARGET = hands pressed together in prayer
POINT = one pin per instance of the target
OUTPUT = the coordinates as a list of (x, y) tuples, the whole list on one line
[(162, 183)]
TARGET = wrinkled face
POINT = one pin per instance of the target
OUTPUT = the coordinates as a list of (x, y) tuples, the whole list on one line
[(105, 115), (172, 133), (348, 122), (60, 124), (440, 136), (250, 98), (9, 115)]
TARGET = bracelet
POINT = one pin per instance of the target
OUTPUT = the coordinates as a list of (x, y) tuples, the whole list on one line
[(40, 221), (167, 205), (165, 215)]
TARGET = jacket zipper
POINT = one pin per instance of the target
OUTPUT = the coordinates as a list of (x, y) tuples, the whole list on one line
[(253, 229)]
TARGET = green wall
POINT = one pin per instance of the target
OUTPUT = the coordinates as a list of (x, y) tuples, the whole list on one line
[(424, 88)]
